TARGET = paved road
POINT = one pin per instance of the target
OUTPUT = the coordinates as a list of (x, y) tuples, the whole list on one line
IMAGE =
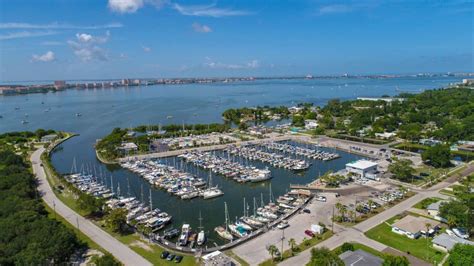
[(120, 251), (356, 233)]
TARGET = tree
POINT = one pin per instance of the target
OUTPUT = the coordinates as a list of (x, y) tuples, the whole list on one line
[(323, 256), (402, 169), (116, 220), (391, 260), (292, 243), (89, 204), (298, 121), (437, 156), (456, 212), (347, 246), (104, 260), (461, 255), (273, 250)]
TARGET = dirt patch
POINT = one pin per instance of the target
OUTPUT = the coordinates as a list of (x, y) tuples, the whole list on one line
[(140, 244)]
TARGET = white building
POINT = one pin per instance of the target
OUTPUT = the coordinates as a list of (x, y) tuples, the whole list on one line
[(385, 135), (413, 227), (216, 258), (310, 124), (363, 168)]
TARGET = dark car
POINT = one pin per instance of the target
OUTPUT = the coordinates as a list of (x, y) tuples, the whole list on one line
[(170, 257), (178, 259), (306, 211), (164, 254), (309, 233)]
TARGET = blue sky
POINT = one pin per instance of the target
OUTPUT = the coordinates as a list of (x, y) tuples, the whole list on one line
[(94, 39)]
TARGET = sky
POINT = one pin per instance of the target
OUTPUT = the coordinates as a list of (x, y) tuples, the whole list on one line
[(110, 39)]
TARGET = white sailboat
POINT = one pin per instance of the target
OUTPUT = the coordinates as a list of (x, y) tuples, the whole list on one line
[(201, 239), (211, 192), (224, 232)]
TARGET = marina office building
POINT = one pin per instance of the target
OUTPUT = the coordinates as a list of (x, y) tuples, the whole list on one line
[(363, 169)]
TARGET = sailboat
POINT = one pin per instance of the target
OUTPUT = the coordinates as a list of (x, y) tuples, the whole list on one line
[(201, 239), (224, 232), (211, 192)]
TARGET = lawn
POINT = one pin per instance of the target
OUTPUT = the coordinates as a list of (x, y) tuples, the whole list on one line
[(361, 247), (309, 243), (237, 258), (425, 203), (416, 247)]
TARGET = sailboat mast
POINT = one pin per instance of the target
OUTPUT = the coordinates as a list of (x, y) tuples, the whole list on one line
[(151, 201)]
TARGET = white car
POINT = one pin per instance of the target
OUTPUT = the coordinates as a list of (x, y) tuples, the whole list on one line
[(461, 232), (450, 232), (321, 198), (284, 224)]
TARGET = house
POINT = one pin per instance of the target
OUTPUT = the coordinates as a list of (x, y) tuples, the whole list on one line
[(363, 168), (433, 210), (445, 242), (128, 146), (385, 135), (49, 138), (216, 258), (430, 142), (413, 227), (310, 124), (360, 258)]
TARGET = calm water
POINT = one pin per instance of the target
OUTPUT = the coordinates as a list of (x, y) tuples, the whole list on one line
[(104, 109)]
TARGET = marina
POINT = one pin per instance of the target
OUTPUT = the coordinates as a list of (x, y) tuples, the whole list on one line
[(275, 160), (227, 168), (300, 151), (103, 109)]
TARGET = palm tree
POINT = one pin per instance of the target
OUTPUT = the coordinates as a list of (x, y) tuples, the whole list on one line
[(272, 249), (351, 214), (343, 212), (370, 202), (451, 221), (403, 190), (428, 226), (292, 243), (339, 208)]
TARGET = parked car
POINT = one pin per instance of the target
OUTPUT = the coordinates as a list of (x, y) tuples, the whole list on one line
[(321, 198), (461, 232), (164, 254), (283, 225), (309, 233), (306, 211), (178, 258), (450, 232), (170, 257)]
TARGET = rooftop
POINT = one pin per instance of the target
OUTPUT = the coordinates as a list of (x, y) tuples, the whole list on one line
[(360, 258), (362, 164), (414, 224), (448, 241)]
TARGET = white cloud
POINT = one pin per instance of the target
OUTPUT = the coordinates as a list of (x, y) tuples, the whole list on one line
[(146, 49), (26, 34), (335, 9), (125, 6), (250, 65), (208, 11), (86, 48), (47, 57), (201, 28), (55, 25)]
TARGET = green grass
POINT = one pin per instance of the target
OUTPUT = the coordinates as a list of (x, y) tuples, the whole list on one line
[(308, 243), (425, 203), (237, 258), (149, 251), (416, 247), (447, 192), (361, 247)]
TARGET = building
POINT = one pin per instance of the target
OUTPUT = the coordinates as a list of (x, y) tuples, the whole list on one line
[(317, 229), (49, 138), (430, 142), (385, 99), (59, 84), (310, 124), (360, 258), (128, 146), (385, 135), (468, 81), (413, 227), (433, 210), (216, 258), (364, 169), (445, 242)]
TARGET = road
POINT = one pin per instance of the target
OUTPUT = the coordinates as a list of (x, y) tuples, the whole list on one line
[(120, 251), (356, 233)]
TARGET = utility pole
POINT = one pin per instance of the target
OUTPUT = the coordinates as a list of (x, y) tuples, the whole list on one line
[(332, 225), (282, 239)]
